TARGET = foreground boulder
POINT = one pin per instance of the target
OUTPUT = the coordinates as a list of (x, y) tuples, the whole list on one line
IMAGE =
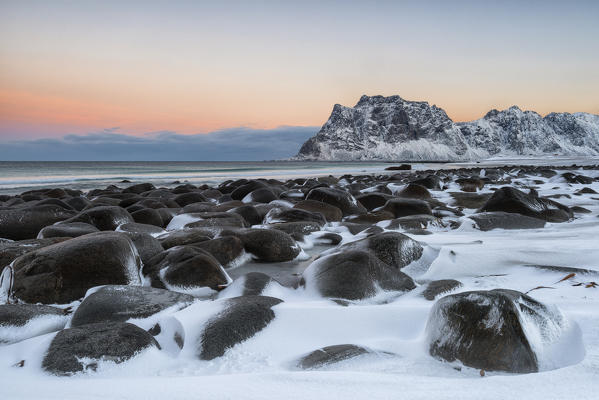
[(105, 218), (393, 248), (487, 221), (330, 212), (435, 288), (510, 200), (23, 321), (330, 355), (79, 349), (353, 275), (186, 269), (73, 229), (25, 223), (486, 329), (338, 198), (9, 250), (268, 245), (63, 272), (241, 319), (117, 303)]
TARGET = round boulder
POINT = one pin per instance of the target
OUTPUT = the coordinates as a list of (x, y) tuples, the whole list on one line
[(81, 348), (63, 272)]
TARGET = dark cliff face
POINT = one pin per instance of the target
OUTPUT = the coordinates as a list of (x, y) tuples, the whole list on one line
[(391, 128)]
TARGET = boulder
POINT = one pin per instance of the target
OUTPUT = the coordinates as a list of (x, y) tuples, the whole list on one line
[(511, 200), (373, 200), (72, 229), (63, 272), (105, 218), (415, 191), (269, 245), (25, 223), (487, 329), (241, 319), (435, 288), (338, 198), (277, 215), (330, 212), (186, 269), (403, 207), (149, 216), (487, 221), (9, 251), (117, 303), (353, 275), (226, 249), (23, 321), (81, 348), (331, 355), (186, 237), (393, 248)]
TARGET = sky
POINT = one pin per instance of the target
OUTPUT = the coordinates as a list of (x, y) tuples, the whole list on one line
[(205, 71)]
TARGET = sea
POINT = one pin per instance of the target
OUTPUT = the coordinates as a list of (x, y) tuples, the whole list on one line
[(18, 177)]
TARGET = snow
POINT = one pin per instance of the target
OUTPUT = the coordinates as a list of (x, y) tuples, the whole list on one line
[(263, 367)]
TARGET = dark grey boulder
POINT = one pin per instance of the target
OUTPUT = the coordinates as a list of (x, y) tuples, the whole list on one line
[(511, 200), (118, 303), (262, 195), (81, 348), (9, 250), (393, 248), (147, 246), (226, 249), (73, 229), (105, 218), (432, 182), (403, 207), (149, 216), (186, 237), (338, 198), (372, 217), (487, 221), (63, 272), (330, 355), (185, 268), (330, 212), (435, 288), (415, 191), (483, 329), (25, 223), (373, 200), (268, 245), (470, 200), (139, 188), (413, 222), (241, 319), (353, 275), (15, 317), (249, 213), (136, 227), (277, 215)]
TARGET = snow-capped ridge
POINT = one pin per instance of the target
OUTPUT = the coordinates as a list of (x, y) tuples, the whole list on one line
[(391, 128)]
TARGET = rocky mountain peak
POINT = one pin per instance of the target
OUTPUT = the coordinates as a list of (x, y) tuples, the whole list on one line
[(391, 128)]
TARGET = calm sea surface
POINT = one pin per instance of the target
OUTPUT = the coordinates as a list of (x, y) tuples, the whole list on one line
[(17, 177)]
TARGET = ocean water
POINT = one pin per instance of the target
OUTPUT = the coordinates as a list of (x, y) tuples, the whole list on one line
[(17, 177)]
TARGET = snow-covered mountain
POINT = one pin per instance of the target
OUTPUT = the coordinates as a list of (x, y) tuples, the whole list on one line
[(390, 128)]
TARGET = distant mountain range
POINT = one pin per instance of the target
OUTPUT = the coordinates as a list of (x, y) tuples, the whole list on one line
[(391, 128)]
